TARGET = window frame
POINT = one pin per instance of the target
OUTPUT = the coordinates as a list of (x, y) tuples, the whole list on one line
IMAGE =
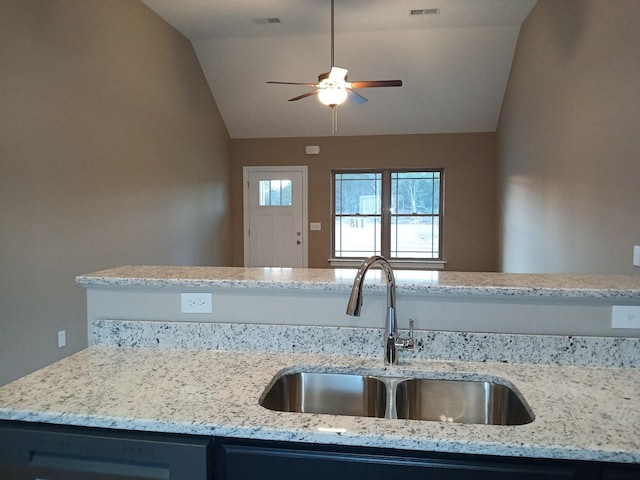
[(385, 220)]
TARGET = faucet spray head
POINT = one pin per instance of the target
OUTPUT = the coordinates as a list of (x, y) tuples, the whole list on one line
[(355, 302)]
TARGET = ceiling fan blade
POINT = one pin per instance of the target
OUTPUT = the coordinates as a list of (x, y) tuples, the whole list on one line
[(355, 97), (295, 83), (377, 83), (304, 95)]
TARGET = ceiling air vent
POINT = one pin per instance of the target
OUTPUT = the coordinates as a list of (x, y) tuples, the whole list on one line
[(425, 11), (266, 21)]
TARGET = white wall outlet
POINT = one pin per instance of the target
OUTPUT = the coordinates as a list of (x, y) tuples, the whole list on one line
[(636, 255), (196, 303), (627, 316), (62, 338)]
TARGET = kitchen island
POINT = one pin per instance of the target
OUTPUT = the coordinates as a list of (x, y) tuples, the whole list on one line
[(204, 377), (582, 413)]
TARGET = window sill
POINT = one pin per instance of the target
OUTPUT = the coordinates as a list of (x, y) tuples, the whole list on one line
[(398, 264)]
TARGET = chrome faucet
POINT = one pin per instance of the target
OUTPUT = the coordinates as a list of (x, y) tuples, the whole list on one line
[(391, 340)]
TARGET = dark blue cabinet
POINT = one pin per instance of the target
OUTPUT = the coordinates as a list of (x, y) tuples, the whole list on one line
[(59, 452), (244, 459)]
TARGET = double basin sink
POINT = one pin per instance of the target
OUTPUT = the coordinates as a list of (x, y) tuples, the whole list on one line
[(433, 399)]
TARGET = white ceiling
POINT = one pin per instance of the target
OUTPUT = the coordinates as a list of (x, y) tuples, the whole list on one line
[(454, 65)]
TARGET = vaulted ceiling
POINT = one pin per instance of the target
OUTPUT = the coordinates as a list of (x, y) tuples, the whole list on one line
[(454, 63)]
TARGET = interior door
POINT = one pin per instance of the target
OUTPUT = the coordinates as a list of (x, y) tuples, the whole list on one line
[(275, 210)]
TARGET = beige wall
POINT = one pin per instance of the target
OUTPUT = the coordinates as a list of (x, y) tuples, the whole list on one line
[(469, 161), (112, 151), (569, 140)]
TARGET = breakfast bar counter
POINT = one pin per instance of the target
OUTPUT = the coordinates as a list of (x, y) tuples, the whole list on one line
[(408, 281)]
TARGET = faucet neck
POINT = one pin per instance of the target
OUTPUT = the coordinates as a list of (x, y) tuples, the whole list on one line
[(355, 300), (391, 340)]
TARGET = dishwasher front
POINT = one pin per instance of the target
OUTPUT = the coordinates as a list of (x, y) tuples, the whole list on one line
[(37, 451)]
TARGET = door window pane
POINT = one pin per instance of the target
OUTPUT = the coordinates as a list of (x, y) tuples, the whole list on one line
[(275, 193)]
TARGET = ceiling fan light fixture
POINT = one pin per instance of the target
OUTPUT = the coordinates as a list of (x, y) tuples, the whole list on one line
[(332, 96), (333, 87)]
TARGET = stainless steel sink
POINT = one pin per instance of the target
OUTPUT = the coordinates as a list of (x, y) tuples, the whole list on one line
[(333, 393), (441, 400), (458, 401)]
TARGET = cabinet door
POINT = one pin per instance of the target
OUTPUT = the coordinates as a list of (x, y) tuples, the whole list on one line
[(629, 472), (59, 452), (243, 462)]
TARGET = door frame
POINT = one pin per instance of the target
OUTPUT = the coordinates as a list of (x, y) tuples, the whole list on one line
[(246, 170)]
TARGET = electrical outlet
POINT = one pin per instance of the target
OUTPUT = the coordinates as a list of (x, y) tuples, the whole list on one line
[(636, 255), (62, 338), (196, 303), (625, 316)]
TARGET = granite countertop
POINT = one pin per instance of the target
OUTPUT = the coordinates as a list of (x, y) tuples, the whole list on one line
[(583, 413), (407, 281)]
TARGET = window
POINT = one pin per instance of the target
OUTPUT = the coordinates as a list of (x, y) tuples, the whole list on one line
[(275, 193), (394, 213)]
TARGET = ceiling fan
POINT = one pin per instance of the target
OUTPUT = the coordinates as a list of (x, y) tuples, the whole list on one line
[(333, 87)]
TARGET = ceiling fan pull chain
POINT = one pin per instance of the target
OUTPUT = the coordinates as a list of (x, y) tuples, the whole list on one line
[(334, 119)]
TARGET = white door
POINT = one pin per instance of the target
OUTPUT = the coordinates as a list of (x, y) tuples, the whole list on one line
[(275, 216)]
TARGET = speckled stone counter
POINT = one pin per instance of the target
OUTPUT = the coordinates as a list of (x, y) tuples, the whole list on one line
[(580, 412), (175, 375), (425, 282)]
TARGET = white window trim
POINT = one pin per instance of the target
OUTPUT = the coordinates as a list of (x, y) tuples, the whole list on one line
[(408, 264), (396, 263)]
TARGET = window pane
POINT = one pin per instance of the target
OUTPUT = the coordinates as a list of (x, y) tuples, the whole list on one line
[(415, 237), (285, 192), (357, 236), (265, 189), (275, 193), (358, 193), (415, 192)]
